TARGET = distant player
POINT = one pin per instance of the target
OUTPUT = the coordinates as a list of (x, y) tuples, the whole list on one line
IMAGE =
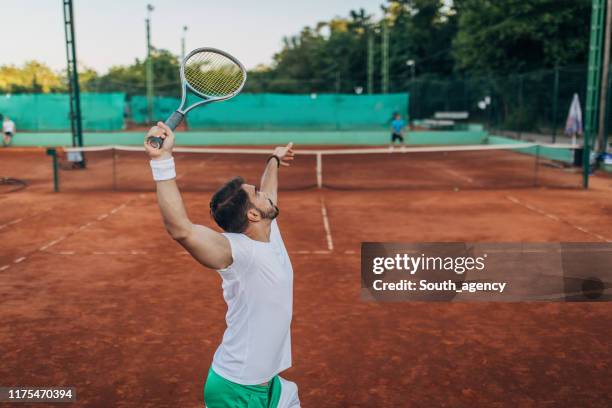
[(8, 127), (397, 128)]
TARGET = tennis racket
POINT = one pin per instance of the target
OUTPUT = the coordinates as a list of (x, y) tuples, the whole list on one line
[(209, 73)]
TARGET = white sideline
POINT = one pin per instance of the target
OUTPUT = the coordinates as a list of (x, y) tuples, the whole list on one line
[(328, 236)]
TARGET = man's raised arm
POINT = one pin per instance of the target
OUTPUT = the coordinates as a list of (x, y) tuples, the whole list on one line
[(269, 180), (207, 246)]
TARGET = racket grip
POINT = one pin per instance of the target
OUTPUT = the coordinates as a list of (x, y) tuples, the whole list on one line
[(174, 120)]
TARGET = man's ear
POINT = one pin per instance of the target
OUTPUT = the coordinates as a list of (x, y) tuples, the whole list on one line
[(253, 215)]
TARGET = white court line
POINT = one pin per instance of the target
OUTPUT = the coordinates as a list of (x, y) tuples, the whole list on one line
[(11, 223), (50, 244), (326, 225), (141, 252), (556, 218), (18, 220), (74, 232), (458, 175), (328, 236), (307, 252)]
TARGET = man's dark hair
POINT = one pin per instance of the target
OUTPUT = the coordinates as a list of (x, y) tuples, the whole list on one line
[(229, 206)]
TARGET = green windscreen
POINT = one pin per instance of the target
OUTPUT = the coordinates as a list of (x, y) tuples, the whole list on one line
[(276, 111), (51, 112)]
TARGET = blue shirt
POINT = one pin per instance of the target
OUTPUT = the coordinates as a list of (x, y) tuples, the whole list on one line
[(398, 125)]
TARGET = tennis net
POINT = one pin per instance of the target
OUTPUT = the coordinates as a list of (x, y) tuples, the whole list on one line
[(428, 167)]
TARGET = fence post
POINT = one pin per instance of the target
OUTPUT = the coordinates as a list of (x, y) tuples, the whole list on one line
[(53, 153), (520, 105), (555, 101)]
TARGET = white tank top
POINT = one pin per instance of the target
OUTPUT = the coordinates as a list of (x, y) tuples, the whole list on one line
[(258, 290)]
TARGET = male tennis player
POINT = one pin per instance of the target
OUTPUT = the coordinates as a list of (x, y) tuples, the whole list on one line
[(8, 127), (397, 128), (257, 278)]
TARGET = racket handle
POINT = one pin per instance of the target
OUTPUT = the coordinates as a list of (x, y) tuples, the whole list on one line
[(172, 122)]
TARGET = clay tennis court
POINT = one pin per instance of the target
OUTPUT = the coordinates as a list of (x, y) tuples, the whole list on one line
[(96, 295)]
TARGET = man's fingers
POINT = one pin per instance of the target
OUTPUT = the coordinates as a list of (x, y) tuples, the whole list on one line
[(164, 127), (155, 131), (290, 145)]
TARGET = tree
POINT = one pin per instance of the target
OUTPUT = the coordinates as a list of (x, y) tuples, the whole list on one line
[(131, 79), (87, 79), (515, 36), (422, 31), (332, 56), (33, 76)]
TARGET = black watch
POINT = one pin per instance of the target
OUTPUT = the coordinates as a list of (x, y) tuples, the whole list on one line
[(274, 157)]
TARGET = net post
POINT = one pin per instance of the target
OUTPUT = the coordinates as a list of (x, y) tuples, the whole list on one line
[(53, 153), (319, 170)]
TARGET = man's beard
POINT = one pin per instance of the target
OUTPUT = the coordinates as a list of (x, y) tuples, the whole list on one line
[(270, 213)]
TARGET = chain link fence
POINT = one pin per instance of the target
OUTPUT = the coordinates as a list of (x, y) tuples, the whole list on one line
[(536, 102)]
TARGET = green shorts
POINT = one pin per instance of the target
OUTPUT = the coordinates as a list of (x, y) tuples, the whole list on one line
[(222, 393)]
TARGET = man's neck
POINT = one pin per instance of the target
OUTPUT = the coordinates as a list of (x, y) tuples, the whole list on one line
[(259, 231)]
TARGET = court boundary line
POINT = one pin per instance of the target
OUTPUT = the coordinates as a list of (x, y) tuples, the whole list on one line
[(24, 218), (554, 217), (74, 232), (137, 252), (328, 235)]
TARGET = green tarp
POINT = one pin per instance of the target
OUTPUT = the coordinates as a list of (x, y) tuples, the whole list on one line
[(276, 111), (51, 112)]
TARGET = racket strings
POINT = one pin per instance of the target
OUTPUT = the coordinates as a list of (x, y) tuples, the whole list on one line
[(213, 74)]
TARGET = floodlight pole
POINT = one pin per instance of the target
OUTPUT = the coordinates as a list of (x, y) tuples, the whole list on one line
[(385, 58), (554, 103), (370, 62), (149, 67), (411, 63), (593, 84), (183, 42), (73, 76), (603, 97)]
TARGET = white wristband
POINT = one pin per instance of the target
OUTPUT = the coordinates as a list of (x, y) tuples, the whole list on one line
[(163, 169)]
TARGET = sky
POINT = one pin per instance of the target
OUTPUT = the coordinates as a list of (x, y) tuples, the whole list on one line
[(112, 32)]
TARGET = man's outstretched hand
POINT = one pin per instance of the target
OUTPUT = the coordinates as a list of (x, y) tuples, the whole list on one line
[(163, 131), (285, 154)]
